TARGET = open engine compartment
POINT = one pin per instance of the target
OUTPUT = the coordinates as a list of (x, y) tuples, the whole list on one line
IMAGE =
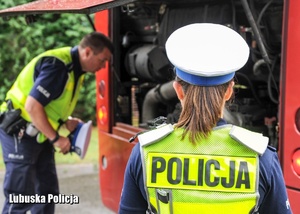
[(143, 75)]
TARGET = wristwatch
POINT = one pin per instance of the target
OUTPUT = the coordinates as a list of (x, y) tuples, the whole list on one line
[(55, 139)]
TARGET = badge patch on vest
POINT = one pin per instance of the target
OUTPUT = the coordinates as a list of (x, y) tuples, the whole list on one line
[(201, 172)]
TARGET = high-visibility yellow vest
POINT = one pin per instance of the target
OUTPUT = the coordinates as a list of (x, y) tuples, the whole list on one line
[(217, 175), (57, 110)]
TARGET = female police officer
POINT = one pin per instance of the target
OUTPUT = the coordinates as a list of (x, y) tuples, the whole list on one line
[(201, 164)]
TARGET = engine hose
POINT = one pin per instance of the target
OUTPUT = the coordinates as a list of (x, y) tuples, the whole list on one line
[(257, 65), (160, 94), (270, 80), (256, 32)]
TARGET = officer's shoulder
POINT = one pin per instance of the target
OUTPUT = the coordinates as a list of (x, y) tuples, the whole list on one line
[(253, 140), (271, 148), (156, 134)]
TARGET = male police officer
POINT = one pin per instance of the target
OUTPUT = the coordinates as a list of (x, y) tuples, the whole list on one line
[(42, 98)]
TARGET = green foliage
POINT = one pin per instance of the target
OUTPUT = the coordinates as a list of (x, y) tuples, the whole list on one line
[(86, 105), (21, 42)]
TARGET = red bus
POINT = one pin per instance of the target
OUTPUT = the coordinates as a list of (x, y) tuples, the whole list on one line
[(136, 87)]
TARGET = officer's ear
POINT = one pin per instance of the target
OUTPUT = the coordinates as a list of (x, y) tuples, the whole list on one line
[(179, 90), (88, 52), (85, 53), (229, 91)]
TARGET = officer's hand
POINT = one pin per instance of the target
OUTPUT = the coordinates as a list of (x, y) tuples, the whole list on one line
[(63, 143), (72, 123)]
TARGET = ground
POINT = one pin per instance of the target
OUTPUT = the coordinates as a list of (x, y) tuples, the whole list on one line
[(80, 180)]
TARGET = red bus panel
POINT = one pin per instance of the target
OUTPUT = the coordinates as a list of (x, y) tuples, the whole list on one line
[(290, 101), (103, 92), (65, 6), (114, 151)]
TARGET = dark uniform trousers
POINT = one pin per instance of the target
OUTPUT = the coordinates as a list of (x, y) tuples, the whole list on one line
[(30, 170)]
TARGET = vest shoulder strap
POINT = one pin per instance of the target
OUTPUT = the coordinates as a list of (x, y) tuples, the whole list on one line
[(156, 134), (70, 67), (253, 140)]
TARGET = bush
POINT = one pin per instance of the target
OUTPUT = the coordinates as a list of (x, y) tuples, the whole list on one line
[(21, 42)]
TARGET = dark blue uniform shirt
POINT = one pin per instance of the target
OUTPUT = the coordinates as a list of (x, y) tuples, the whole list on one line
[(273, 196), (52, 74)]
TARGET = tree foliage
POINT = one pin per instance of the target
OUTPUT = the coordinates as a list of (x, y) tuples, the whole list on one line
[(20, 42)]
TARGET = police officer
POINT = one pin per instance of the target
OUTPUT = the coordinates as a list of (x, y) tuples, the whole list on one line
[(42, 99), (202, 164)]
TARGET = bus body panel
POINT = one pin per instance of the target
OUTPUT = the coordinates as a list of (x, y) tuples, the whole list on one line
[(114, 151), (113, 155), (289, 139), (103, 79)]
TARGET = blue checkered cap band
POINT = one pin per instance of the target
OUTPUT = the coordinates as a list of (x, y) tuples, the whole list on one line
[(206, 54)]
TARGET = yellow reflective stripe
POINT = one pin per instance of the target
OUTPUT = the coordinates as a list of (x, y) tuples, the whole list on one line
[(70, 86), (18, 98), (164, 208), (207, 208), (208, 202), (18, 94), (201, 172)]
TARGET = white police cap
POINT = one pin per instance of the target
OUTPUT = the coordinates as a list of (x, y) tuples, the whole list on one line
[(206, 54)]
